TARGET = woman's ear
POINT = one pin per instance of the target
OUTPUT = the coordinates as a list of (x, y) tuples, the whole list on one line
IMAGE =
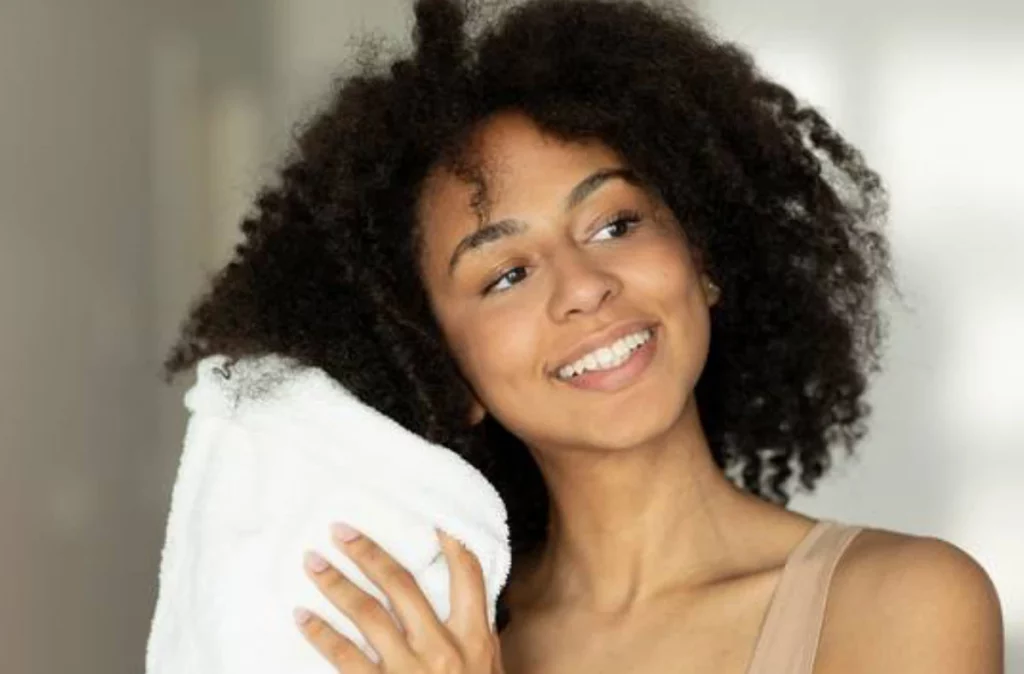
[(711, 290), (712, 293)]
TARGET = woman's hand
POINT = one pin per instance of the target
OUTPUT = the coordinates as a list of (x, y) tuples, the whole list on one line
[(421, 644)]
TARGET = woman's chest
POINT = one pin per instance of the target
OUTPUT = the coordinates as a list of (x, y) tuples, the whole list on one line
[(678, 638), (683, 655)]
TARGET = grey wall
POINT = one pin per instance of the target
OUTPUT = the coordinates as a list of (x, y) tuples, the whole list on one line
[(104, 200), (77, 403), (77, 297)]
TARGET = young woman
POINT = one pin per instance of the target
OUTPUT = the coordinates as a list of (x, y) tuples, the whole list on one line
[(597, 253)]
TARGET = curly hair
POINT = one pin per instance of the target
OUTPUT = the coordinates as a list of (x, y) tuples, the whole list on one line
[(784, 212)]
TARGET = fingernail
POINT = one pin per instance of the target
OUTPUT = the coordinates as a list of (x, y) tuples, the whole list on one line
[(315, 562), (448, 540), (344, 532), (301, 615)]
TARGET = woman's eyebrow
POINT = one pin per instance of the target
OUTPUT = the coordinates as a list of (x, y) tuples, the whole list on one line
[(494, 231)]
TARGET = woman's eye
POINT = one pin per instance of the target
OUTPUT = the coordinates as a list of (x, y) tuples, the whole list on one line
[(624, 221), (501, 278)]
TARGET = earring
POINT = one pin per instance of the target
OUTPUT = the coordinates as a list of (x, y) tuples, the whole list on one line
[(714, 292)]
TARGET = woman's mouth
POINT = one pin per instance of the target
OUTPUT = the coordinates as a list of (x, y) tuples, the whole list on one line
[(618, 376)]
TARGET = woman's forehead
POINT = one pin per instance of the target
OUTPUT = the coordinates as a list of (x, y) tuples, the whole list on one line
[(505, 162)]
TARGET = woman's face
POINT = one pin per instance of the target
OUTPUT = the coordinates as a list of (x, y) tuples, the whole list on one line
[(518, 305)]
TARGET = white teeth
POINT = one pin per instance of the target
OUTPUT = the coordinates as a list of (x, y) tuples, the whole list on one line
[(607, 357)]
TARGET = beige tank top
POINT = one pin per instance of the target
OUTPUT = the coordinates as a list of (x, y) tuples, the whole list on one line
[(791, 628)]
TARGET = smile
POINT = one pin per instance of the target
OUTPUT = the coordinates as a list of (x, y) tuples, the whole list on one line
[(622, 365)]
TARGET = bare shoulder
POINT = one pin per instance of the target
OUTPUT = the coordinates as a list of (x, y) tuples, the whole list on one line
[(910, 604)]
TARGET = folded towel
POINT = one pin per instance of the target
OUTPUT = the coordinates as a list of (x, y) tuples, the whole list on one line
[(273, 453)]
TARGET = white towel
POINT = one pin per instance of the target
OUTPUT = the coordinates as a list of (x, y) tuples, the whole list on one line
[(273, 454)]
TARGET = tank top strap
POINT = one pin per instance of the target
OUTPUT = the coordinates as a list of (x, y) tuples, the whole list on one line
[(790, 631)]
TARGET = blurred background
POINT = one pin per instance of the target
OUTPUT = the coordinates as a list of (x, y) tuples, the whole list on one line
[(133, 135)]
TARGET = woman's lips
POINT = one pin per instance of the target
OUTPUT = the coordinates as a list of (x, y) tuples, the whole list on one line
[(621, 376), (606, 338)]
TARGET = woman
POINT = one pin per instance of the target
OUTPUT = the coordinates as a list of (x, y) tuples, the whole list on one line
[(496, 210)]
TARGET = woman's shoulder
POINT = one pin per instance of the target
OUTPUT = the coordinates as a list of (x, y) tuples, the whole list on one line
[(900, 602)]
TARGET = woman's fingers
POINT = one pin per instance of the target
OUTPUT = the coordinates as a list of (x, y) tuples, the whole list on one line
[(468, 619), (369, 615), (468, 594), (418, 641), (422, 634), (336, 649), (415, 614)]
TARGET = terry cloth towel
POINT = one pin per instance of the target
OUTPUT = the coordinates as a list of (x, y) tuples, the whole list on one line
[(273, 453)]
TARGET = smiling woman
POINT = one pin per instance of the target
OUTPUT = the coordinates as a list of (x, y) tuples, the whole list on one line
[(596, 253)]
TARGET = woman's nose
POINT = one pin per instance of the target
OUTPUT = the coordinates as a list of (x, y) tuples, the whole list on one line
[(581, 284)]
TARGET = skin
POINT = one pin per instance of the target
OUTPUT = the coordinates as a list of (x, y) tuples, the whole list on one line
[(655, 561)]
